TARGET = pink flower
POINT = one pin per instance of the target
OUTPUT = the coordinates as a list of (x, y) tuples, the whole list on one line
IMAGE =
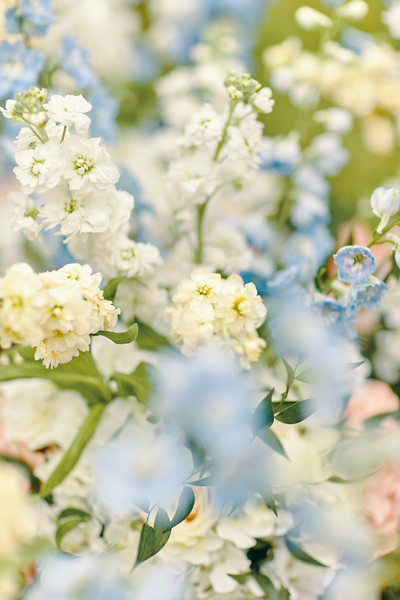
[(382, 504), (374, 398)]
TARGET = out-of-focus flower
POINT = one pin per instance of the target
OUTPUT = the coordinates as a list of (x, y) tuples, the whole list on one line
[(385, 203), (309, 18)]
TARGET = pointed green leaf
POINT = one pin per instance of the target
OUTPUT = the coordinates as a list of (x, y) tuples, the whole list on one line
[(152, 539), (185, 506), (240, 578), (264, 414), (300, 554), (271, 439), (73, 512), (66, 526), (121, 337), (110, 290), (72, 455), (295, 412)]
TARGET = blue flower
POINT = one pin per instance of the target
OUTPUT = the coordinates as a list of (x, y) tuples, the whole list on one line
[(32, 18), (142, 466), (334, 313), (104, 112), (370, 294), (19, 68), (75, 61), (309, 210), (355, 264)]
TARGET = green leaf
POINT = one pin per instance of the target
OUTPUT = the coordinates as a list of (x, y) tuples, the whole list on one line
[(264, 414), (72, 455), (240, 578), (79, 374), (269, 589), (110, 290), (272, 440), (298, 553), (73, 512), (66, 526), (185, 506), (136, 383), (121, 337), (149, 339), (294, 412), (152, 539)]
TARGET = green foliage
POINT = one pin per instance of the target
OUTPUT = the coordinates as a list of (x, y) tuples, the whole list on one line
[(185, 506), (68, 519), (72, 455), (149, 339), (292, 412), (268, 587), (264, 415), (136, 383), (299, 553), (152, 539), (271, 439), (79, 374), (123, 337)]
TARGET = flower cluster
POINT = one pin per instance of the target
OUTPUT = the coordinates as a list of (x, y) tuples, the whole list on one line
[(68, 181), (209, 308), (55, 311)]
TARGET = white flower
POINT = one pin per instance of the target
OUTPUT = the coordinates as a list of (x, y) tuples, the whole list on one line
[(354, 10), (391, 18), (40, 168), (385, 203), (24, 215), (69, 110), (135, 259), (76, 213), (308, 18), (205, 126), (88, 165), (338, 120), (263, 100)]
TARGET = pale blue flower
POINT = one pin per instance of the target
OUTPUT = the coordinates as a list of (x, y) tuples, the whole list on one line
[(75, 61), (370, 294), (281, 155), (309, 210), (104, 112), (19, 67), (335, 313), (32, 18), (67, 577), (142, 466), (355, 264)]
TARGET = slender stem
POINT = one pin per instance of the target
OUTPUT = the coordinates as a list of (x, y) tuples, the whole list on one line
[(63, 134), (201, 208)]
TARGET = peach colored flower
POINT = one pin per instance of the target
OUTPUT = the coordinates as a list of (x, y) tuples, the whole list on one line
[(375, 398), (382, 505)]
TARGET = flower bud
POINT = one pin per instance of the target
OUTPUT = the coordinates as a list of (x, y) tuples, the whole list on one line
[(308, 18), (385, 203), (354, 10)]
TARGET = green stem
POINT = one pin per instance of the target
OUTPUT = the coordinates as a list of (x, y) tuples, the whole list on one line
[(201, 208), (63, 134)]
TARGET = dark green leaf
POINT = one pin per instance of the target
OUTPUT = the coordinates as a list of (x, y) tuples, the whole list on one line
[(121, 337), (272, 440), (300, 554), (73, 512), (111, 288), (185, 506), (294, 412), (149, 339), (136, 383), (264, 414), (152, 539), (72, 455)]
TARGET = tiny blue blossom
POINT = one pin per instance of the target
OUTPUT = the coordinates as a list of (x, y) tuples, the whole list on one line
[(32, 18), (75, 61), (355, 264), (370, 294), (19, 67), (104, 112)]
